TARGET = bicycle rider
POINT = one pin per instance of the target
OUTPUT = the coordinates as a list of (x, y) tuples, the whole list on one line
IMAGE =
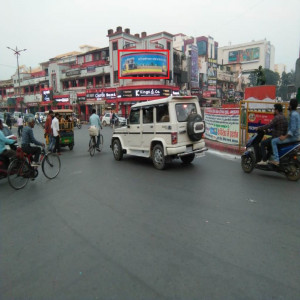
[(95, 121), (27, 139)]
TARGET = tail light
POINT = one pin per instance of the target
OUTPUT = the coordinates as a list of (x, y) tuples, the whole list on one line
[(174, 138)]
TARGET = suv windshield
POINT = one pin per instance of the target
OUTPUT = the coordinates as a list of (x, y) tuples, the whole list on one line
[(183, 110)]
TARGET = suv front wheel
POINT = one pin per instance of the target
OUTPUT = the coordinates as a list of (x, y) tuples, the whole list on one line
[(158, 158)]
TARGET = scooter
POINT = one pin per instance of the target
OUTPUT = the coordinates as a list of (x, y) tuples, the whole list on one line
[(289, 158)]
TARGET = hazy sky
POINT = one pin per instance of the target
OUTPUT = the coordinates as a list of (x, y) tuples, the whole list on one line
[(47, 28)]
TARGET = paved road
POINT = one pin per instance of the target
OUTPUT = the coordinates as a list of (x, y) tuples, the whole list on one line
[(123, 230)]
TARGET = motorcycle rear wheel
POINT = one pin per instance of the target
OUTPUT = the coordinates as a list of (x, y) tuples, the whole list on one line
[(294, 172), (248, 163)]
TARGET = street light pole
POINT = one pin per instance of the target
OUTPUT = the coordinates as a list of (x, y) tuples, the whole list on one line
[(17, 53)]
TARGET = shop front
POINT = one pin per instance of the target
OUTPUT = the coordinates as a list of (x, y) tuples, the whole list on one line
[(129, 95)]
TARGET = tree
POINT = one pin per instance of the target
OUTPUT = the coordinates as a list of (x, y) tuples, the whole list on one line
[(286, 79), (272, 78), (253, 78)]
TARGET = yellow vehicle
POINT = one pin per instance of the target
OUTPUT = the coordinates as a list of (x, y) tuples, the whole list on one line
[(66, 127)]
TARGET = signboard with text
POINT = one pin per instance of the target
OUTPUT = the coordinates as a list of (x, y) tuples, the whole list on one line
[(222, 125)]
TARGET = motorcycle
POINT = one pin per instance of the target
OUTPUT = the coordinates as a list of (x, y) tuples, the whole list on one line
[(289, 158), (4, 163), (77, 123)]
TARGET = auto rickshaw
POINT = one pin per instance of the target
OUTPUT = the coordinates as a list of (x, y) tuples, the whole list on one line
[(66, 127)]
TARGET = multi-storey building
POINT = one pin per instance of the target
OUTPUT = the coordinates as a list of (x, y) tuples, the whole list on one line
[(248, 56), (132, 68), (279, 68)]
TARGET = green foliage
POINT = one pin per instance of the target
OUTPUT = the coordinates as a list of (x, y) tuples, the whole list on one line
[(272, 78), (286, 79)]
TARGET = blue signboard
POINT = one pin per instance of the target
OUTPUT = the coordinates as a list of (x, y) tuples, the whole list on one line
[(143, 63)]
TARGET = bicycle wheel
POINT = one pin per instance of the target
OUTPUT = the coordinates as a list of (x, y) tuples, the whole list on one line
[(18, 173), (101, 142), (92, 146), (51, 165)]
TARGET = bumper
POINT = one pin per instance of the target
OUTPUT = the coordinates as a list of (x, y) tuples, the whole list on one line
[(183, 150)]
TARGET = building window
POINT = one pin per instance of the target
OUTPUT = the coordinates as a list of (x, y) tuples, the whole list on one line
[(80, 60), (97, 56), (88, 58), (116, 79), (169, 45), (115, 45)]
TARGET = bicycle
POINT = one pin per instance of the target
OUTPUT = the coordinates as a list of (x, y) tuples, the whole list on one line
[(92, 144), (20, 170)]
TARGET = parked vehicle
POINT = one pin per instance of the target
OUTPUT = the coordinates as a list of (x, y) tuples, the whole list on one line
[(120, 121), (27, 116), (289, 158), (163, 130), (16, 115)]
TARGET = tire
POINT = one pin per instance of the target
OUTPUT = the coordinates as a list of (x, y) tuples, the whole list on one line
[(158, 158), (187, 159), (117, 150), (92, 146), (294, 172), (51, 165), (248, 163), (18, 173), (78, 125), (71, 147), (192, 119), (104, 123)]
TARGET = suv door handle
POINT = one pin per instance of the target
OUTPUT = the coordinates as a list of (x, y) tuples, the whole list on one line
[(151, 126), (138, 127)]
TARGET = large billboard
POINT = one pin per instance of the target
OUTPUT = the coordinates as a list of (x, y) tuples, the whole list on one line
[(194, 66), (144, 62), (245, 55)]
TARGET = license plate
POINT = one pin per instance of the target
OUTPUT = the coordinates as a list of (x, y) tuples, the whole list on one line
[(201, 154)]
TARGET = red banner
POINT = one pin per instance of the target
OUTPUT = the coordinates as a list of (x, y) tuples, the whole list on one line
[(260, 92)]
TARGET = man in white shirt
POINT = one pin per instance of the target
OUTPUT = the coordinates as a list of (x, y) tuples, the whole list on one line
[(20, 123), (55, 129)]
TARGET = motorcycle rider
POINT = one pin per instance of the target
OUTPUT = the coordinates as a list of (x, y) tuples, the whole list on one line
[(6, 154), (279, 126), (293, 133)]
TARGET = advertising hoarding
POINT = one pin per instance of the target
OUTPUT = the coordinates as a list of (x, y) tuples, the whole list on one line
[(222, 125), (245, 55), (257, 119), (143, 62), (47, 95), (194, 65), (151, 92)]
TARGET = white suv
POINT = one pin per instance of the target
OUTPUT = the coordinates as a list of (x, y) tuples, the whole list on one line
[(162, 129)]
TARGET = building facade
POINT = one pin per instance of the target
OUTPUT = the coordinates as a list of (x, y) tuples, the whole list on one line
[(248, 56)]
